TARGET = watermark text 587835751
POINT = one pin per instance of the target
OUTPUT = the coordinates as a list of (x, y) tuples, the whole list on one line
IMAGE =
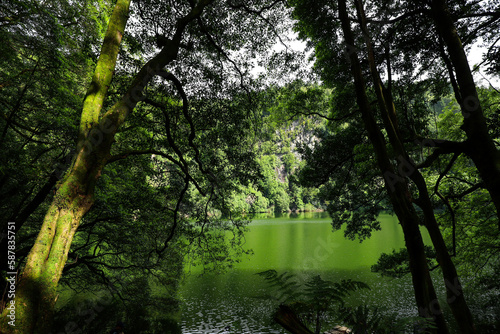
[(11, 274)]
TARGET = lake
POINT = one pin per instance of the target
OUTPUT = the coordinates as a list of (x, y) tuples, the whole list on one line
[(305, 245)]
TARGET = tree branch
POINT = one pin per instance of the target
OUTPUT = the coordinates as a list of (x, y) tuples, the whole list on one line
[(221, 51), (118, 112), (443, 147), (259, 14), (176, 216), (126, 154), (468, 191), (312, 113), (399, 18), (446, 202), (169, 76)]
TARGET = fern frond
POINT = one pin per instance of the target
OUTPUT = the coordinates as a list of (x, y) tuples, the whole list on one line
[(286, 288), (313, 300)]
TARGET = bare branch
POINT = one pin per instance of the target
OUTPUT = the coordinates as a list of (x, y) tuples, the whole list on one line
[(176, 216), (312, 113), (443, 147), (446, 202)]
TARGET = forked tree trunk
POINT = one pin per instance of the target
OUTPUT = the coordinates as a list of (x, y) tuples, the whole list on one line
[(480, 146), (36, 292), (454, 293), (397, 190)]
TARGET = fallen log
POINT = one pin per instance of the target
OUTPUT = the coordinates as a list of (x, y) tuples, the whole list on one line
[(287, 318)]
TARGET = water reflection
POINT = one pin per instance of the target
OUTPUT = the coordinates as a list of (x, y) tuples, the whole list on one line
[(305, 245)]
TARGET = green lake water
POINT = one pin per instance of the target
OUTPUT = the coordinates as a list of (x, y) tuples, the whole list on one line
[(305, 245)]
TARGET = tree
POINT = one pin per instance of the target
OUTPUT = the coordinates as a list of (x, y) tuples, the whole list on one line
[(479, 145), (461, 188), (45, 61), (190, 40), (315, 25)]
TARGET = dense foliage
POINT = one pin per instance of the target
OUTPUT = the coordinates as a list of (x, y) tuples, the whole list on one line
[(137, 136), (280, 161)]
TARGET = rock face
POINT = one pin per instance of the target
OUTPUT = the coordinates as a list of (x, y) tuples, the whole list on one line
[(339, 330)]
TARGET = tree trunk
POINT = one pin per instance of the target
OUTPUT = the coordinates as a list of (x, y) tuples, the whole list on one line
[(317, 329), (455, 297), (289, 321), (480, 146), (37, 287), (398, 192), (454, 293), (36, 292)]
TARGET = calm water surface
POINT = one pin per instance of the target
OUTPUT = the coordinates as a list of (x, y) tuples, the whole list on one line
[(305, 245)]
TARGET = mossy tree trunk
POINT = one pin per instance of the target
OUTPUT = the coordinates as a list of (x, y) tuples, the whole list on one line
[(36, 291)]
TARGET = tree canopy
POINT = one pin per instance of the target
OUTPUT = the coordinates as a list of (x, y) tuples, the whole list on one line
[(137, 135)]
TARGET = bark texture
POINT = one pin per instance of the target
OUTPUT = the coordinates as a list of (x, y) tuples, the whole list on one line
[(36, 292), (455, 296), (480, 147), (103, 74), (289, 321), (397, 189)]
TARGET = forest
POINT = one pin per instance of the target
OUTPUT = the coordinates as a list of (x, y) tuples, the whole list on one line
[(141, 138)]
